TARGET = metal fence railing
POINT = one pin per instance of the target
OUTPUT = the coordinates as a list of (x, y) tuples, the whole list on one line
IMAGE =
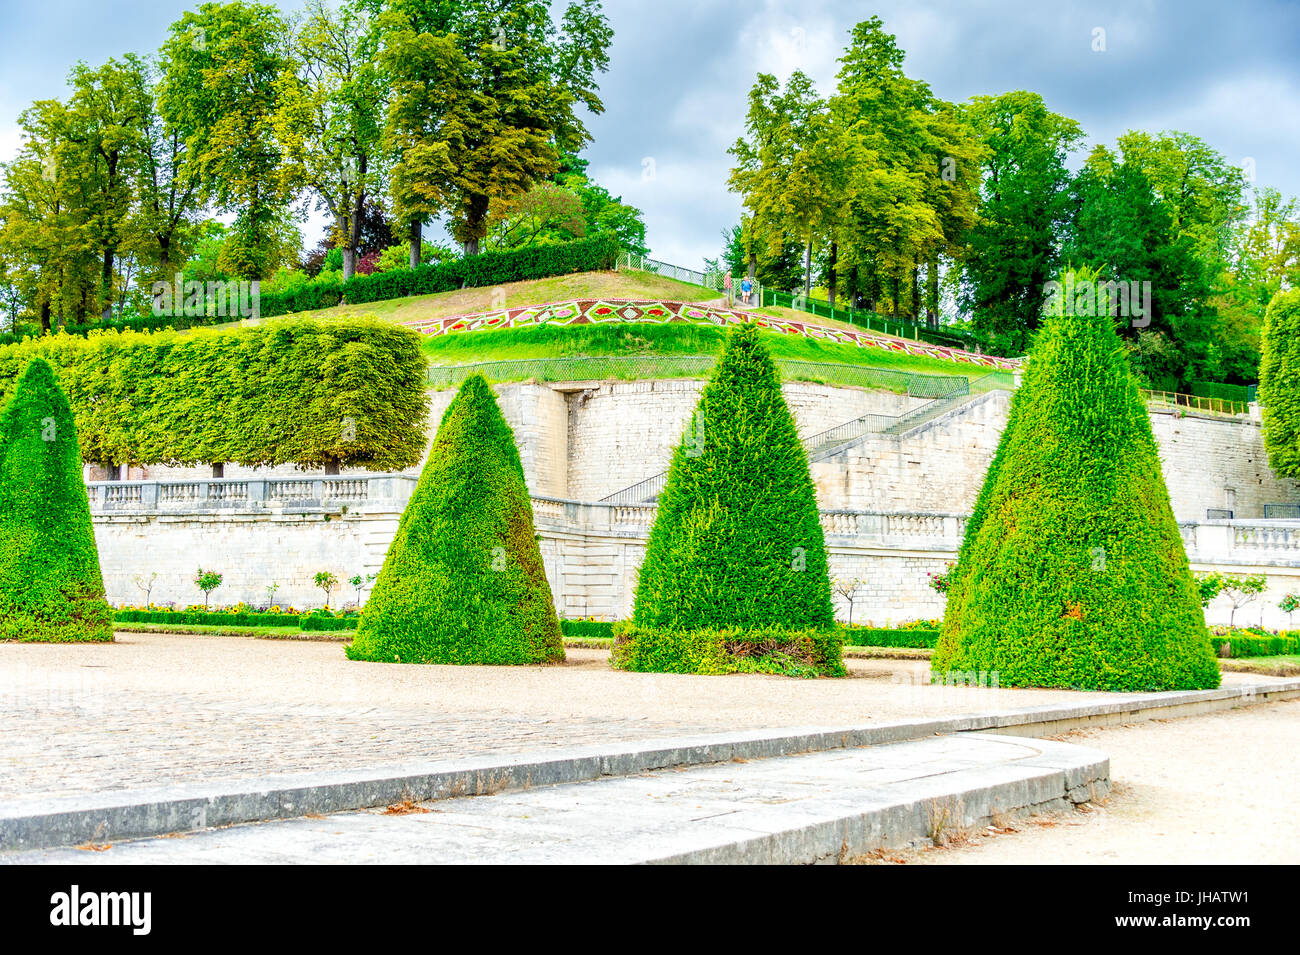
[(822, 308), (642, 263), (871, 321), (1206, 405), (1282, 512), (633, 367)]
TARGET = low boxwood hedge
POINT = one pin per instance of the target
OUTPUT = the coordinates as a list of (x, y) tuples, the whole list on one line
[(310, 621), (1243, 643), (890, 637), (487, 268), (709, 651), (587, 628)]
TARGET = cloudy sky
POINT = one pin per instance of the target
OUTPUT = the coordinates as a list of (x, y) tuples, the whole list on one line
[(681, 69)]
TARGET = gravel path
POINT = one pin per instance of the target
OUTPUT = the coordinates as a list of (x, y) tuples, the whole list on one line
[(1216, 789), (156, 709)]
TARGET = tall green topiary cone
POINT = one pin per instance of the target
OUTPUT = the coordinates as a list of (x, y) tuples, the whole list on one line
[(463, 581), (1279, 382), (51, 588), (1073, 572), (737, 541)]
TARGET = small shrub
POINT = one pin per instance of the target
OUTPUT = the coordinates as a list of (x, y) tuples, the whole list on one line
[(709, 651)]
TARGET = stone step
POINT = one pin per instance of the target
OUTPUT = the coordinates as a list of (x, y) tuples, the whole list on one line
[(817, 807)]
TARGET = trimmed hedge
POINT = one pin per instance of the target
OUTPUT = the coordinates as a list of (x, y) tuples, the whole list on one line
[(1073, 572), (348, 392), (463, 581), (487, 268), (888, 637), (711, 651), (1246, 644), (317, 622), (309, 621), (1279, 382), (737, 541), (51, 588), (602, 629)]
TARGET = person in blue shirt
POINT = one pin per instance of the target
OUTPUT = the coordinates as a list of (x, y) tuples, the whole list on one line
[(746, 286)]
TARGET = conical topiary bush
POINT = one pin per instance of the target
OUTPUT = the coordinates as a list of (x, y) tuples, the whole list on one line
[(463, 581), (1279, 382), (1073, 572), (51, 588), (737, 545)]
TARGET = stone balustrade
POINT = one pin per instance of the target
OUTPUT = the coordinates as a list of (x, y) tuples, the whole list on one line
[(378, 491), (286, 529)]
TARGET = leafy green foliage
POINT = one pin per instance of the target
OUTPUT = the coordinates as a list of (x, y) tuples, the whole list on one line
[(1279, 383), (463, 581), (509, 83), (488, 268), (1024, 206), (587, 628), (222, 71), (315, 620), (1073, 572), (51, 588), (712, 651), (737, 541), (295, 391), (890, 637), (1232, 642), (207, 581)]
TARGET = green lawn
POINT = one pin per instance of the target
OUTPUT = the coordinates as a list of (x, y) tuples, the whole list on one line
[(561, 288), (643, 341), (1283, 665)]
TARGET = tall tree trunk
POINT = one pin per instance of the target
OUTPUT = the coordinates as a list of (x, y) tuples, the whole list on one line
[(45, 316), (915, 283), (932, 291), (476, 223), (896, 291), (165, 256), (349, 248), (413, 237), (752, 268), (331, 467), (830, 272), (807, 269), (352, 236), (106, 285)]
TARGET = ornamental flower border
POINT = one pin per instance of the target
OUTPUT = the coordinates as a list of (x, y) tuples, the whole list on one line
[(602, 311)]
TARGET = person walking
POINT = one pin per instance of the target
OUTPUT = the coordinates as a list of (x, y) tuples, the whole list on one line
[(746, 286), (726, 284)]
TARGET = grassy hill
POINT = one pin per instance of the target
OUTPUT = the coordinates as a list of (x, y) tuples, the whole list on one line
[(636, 343), (562, 288)]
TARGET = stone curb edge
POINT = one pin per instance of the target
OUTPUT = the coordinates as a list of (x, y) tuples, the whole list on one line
[(1061, 776)]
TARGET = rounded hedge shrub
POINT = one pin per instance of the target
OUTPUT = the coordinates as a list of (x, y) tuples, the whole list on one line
[(463, 581), (51, 588), (1073, 571), (1279, 382), (737, 541), (348, 392)]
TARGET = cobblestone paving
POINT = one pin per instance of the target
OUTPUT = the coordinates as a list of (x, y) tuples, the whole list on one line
[(156, 709)]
